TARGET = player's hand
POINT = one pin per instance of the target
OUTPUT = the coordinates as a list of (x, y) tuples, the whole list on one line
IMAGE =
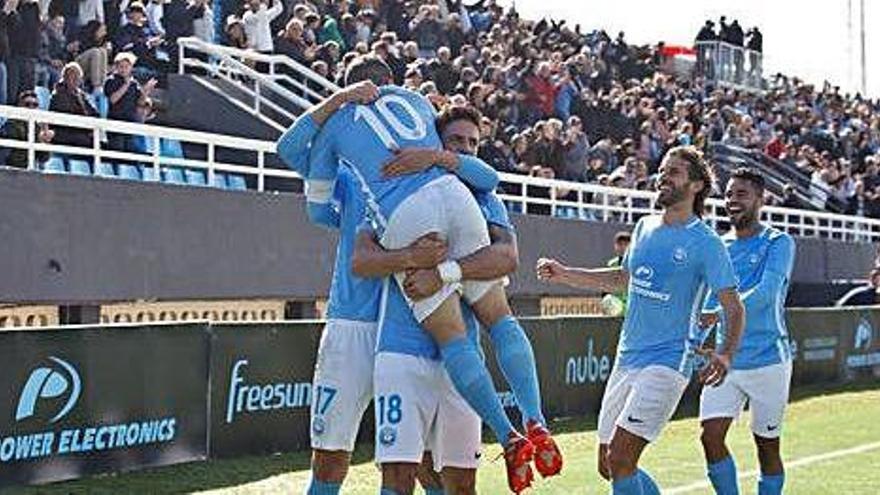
[(716, 368), (427, 251), (549, 270), (709, 319), (412, 160), (421, 284), (361, 93)]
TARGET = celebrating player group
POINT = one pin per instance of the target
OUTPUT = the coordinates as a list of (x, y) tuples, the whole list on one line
[(424, 250)]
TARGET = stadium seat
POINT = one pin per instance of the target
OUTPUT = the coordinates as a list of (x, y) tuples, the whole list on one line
[(44, 96), (219, 180), (195, 177), (172, 175), (54, 165), (129, 172), (104, 169), (170, 148), (79, 167), (148, 173), (236, 183)]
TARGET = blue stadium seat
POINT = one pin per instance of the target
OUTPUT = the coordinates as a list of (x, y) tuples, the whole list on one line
[(129, 172), (195, 177), (148, 173), (104, 169), (44, 96), (170, 148), (236, 182), (79, 167), (54, 165), (219, 180), (142, 144), (172, 175)]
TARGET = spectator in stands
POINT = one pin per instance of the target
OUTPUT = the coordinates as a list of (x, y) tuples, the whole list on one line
[(180, 16), (427, 30), (575, 147), (69, 97), (139, 38), (736, 38), (94, 54), (257, 20), (155, 10), (541, 93), (235, 33), (7, 15), (364, 22), (53, 52), (124, 92), (88, 11), (290, 42), (756, 45), (24, 44), (203, 25), (18, 130)]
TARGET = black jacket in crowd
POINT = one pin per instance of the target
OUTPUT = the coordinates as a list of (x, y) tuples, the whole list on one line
[(178, 18), (24, 35)]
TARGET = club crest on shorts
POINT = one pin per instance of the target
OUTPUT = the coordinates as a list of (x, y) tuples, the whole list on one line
[(318, 425), (387, 436), (754, 259), (679, 255)]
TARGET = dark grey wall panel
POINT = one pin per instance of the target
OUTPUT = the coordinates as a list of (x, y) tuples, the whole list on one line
[(74, 240)]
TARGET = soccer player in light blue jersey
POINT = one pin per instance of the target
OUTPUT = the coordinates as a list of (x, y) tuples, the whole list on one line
[(763, 258), (342, 382), (459, 130), (408, 207), (672, 261)]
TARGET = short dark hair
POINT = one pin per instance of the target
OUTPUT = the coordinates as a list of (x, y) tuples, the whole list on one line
[(368, 67), (622, 236), (751, 175), (27, 93), (452, 113)]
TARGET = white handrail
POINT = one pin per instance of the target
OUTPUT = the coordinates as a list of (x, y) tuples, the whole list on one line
[(588, 201), (723, 63)]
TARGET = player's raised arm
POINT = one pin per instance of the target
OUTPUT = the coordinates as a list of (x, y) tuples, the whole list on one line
[(293, 146), (604, 279), (372, 260)]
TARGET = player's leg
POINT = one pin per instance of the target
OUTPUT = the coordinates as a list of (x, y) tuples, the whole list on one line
[(398, 478), (719, 406), (430, 480), (342, 387), (768, 390), (466, 368), (404, 407), (516, 359), (457, 440), (653, 398)]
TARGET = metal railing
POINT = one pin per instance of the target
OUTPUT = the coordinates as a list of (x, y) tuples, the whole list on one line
[(252, 162), (261, 76), (521, 193), (729, 64)]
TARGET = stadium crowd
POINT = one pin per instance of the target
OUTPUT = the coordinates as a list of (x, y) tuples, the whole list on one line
[(558, 101)]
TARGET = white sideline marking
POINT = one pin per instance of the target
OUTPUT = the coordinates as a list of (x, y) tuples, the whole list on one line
[(803, 461)]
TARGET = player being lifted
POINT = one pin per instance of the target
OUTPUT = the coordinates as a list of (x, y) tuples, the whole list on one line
[(407, 208), (672, 260), (417, 407), (760, 373), (343, 383)]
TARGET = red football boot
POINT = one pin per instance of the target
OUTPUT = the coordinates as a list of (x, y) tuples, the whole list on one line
[(548, 458), (518, 455)]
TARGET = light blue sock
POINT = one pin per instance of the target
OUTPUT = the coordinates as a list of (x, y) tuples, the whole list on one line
[(722, 474), (771, 484), (631, 485), (515, 357), (318, 487), (434, 491), (649, 486), (472, 380)]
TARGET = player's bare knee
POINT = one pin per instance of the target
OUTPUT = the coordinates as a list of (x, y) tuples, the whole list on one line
[(400, 477), (330, 466), (768, 455), (621, 462), (492, 307)]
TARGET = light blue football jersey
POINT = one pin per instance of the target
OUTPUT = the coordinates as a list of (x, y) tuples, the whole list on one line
[(671, 269), (763, 264)]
